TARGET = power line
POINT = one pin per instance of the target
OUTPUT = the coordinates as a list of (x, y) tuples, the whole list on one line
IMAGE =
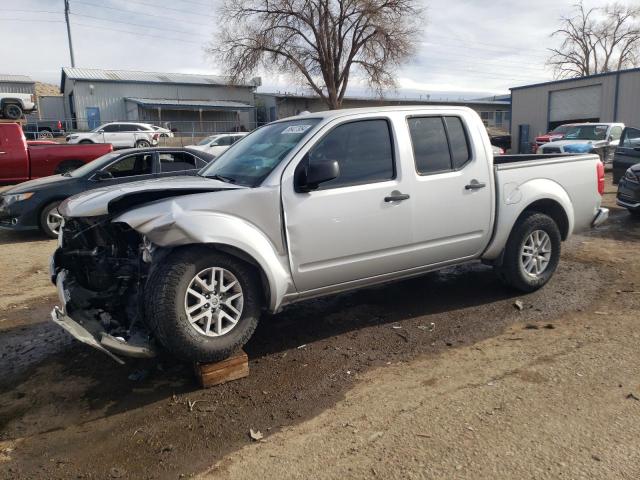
[(120, 10), (29, 20), (137, 2), (131, 23), (100, 27)]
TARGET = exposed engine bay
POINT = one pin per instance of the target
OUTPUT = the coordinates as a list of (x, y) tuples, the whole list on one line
[(100, 269)]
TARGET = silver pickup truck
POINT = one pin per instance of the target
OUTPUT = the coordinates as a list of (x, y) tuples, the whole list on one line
[(304, 207)]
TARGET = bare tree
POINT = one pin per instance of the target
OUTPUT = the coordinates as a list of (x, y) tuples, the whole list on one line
[(597, 40), (321, 41)]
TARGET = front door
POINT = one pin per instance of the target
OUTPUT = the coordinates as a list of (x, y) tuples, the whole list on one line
[(93, 117), (452, 191), (355, 226), (627, 153)]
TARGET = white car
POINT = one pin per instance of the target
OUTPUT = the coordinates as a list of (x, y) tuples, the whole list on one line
[(120, 135), (216, 144)]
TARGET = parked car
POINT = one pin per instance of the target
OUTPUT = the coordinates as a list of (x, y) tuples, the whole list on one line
[(43, 130), (629, 190), (34, 205), (557, 133), (14, 105), (120, 135), (627, 154), (216, 144), (599, 138), (21, 160), (304, 207)]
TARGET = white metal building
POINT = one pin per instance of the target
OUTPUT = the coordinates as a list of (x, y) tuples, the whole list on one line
[(187, 102), (606, 97)]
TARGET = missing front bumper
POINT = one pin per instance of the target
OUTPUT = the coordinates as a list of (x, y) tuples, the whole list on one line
[(91, 332)]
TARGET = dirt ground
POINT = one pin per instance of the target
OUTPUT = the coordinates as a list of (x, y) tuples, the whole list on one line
[(435, 377)]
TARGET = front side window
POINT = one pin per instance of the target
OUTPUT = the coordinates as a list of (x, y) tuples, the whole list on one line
[(587, 132), (138, 164), (176, 161), (440, 144), (252, 160), (363, 150), (111, 128), (631, 138), (616, 133)]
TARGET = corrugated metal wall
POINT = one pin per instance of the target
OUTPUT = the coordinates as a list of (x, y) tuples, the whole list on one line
[(110, 97), (530, 105), (16, 87)]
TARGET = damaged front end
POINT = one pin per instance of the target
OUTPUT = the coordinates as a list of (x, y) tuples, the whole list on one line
[(100, 269)]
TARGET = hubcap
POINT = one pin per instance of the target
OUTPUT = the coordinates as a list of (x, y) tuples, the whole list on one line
[(54, 221), (213, 302), (535, 254)]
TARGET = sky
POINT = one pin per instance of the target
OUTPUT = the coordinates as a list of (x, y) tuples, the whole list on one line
[(469, 48)]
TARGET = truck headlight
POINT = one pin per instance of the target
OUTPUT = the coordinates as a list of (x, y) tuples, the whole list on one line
[(17, 197)]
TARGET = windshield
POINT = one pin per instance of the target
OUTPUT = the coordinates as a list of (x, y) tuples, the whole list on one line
[(560, 129), (251, 159), (206, 141), (92, 166), (587, 132)]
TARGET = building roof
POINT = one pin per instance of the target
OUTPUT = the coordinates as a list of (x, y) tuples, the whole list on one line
[(15, 79), (128, 76), (574, 79), (171, 104), (398, 100)]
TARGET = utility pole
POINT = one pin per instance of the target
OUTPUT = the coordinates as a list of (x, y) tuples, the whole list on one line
[(66, 17)]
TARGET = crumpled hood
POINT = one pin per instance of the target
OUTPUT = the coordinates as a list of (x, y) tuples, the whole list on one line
[(117, 198)]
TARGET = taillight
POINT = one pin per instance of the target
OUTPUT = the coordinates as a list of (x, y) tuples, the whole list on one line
[(600, 173), (156, 136)]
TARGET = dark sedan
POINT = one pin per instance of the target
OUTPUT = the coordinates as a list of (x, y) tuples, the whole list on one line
[(627, 154), (629, 190), (33, 205)]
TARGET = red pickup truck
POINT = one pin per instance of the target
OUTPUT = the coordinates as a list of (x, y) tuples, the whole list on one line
[(21, 160)]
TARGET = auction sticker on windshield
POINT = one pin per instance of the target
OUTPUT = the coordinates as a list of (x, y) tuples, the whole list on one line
[(296, 129)]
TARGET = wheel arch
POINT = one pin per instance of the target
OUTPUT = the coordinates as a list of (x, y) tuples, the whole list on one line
[(540, 195)]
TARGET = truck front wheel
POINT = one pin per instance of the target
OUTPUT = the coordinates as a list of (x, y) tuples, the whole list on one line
[(532, 252), (201, 304)]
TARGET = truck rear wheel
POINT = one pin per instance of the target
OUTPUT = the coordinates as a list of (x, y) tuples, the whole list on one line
[(202, 305), (12, 111), (532, 252)]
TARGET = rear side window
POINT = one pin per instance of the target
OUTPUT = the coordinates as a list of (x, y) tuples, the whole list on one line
[(362, 148), (176, 162), (440, 144)]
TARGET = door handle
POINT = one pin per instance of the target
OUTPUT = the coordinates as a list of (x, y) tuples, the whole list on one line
[(475, 185), (396, 196)]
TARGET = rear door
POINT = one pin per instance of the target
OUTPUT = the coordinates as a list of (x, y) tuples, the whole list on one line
[(452, 211), (350, 228), (627, 153), (111, 134)]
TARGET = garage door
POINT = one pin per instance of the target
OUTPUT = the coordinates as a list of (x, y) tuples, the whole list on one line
[(575, 104)]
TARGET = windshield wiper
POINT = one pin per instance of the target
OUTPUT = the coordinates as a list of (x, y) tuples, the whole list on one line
[(222, 178)]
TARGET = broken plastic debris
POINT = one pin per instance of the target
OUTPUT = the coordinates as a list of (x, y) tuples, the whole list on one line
[(430, 328), (518, 304), (255, 435)]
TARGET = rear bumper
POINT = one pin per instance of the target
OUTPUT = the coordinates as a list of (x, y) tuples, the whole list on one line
[(601, 217)]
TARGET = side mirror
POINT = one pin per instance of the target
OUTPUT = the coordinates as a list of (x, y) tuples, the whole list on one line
[(316, 173), (174, 130), (102, 175)]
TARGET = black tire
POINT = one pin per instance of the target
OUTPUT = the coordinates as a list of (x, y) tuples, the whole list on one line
[(165, 304), (12, 111), (85, 141), (143, 144), (45, 134), (635, 212), (512, 271), (67, 166), (44, 214)]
